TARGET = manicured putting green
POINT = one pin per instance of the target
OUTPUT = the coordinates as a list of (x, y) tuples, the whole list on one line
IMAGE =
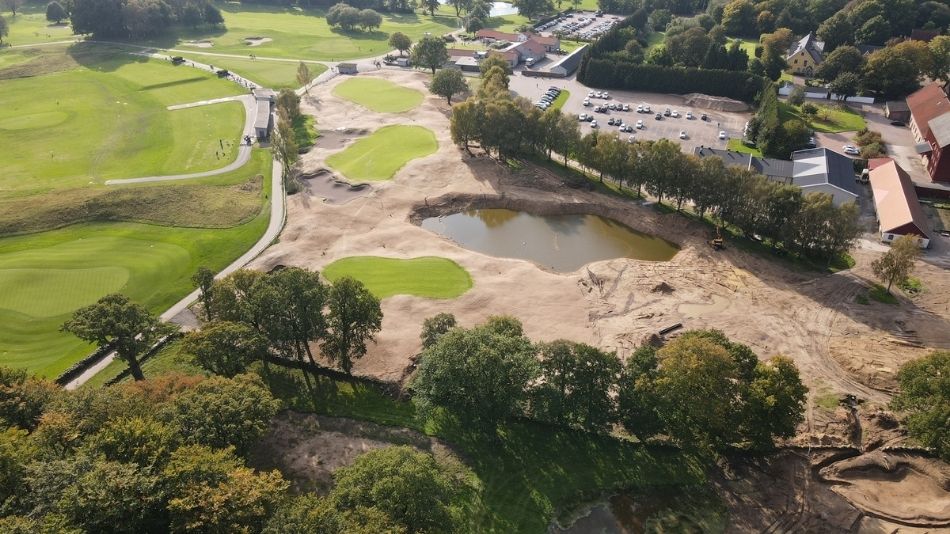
[(383, 96), (428, 276), (385, 151)]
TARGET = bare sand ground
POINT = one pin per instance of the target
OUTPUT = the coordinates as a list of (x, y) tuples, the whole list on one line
[(840, 346)]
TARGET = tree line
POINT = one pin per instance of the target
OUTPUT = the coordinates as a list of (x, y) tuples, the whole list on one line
[(691, 62), (171, 455), (135, 19), (700, 390), (779, 214), (348, 18)]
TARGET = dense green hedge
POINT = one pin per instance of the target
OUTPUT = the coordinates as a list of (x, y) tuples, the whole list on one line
[(607, 74)]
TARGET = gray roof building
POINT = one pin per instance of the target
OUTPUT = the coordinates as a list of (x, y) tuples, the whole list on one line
[(811, 45), (816, 170)]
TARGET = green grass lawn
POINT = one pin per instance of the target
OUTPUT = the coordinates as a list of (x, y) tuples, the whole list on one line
[(738, 146), (748, 46), (30, 26), (429, 276), (95, 113), (44, 277), (654, 40), (561, 99), (273, 74), (302, 33), (379, 95), (170, 358), (830, 119), (382, 153)]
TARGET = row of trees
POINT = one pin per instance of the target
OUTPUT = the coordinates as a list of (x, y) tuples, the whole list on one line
[(348, 18), (134, 19), (170, 455), (700, 390), (778, 213)]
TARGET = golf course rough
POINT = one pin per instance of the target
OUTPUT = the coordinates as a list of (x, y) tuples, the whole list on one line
[(426, 276), (378, 95), (378, 156)]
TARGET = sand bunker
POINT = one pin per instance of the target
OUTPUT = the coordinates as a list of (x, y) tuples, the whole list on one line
[(895, 486), (256, 41), (324, 184), (204, 43)]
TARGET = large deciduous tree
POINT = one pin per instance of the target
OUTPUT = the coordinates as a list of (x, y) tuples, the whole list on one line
[(128, 327), (353, 318), (430, 53), (480, 375), (897, 264), (203, 279), (401, 42), (55, 12), (435, 327), (225, 348), (925, 397), (448, 82)]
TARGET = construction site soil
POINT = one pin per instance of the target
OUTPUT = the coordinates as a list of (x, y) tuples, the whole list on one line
[(840, 345)]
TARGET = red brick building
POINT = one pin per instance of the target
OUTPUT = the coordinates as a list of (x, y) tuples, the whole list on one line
[(930, 123)]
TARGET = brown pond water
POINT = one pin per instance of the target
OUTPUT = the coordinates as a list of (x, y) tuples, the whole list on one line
[(563, 243)]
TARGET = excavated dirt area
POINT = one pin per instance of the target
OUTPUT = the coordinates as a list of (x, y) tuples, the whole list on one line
[(308, 448), (840, 346)]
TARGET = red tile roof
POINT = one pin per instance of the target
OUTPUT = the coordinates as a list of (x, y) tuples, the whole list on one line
[(928, 104), (545, 40), (533, 46), (495, 34)]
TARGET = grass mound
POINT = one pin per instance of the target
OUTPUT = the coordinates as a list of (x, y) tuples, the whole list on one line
[(379, 95), (220, 202), (382, 153), (429, 276)]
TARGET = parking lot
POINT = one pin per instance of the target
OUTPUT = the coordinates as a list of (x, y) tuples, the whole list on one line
[(698, 132), (582, 25)]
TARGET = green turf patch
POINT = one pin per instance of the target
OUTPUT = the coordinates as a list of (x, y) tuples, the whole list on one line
[(561, 99), (105, 117), (880, 294), (221, 201), (736, 145), (382, 153), (171, 358), (829, 119), (379, 95), (73, 266), (273, 74), (30, 26), (301, 33), (428, 276)]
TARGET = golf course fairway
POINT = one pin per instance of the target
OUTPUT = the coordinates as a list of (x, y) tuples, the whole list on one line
[(382, 153)]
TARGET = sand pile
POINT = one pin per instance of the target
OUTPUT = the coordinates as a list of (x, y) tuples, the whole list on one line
[(718, 103)]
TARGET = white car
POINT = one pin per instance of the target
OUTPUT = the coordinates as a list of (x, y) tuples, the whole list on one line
[(639, 125), (646, 108), (682, 134), (674, 114), (689, 115), (586, 102), (605, 95), (626, 107), (597, 94), (582, 117), (851, 150), (639, 109), (590, 94), (722, 134), (593, 124)]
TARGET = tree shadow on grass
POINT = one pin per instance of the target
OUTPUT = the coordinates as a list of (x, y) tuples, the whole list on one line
[(374, 35), (102, 57)]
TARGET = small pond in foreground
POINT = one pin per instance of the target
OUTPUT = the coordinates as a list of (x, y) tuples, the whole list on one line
[(563, 243)]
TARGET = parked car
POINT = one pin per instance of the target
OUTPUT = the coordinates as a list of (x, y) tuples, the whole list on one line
[(659, 117), (722, 134), (593, 124), (639, 125), (704, 117), (666, 112), (582, 117), (626, 107), (586, 102), (898, 123), (689, 115), (639, 109), (682, 134), (605, 95), (675, 114), (610, 121), (851, 150), (646, 108)]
